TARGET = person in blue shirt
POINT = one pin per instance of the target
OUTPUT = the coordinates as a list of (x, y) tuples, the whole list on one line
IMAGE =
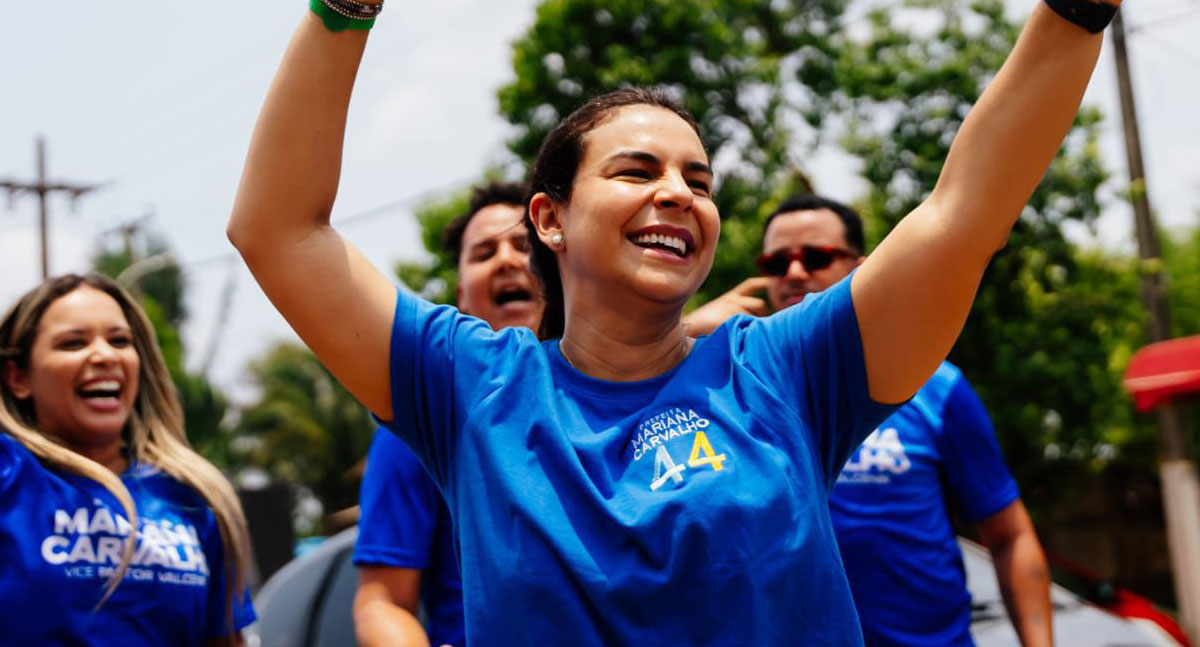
[(405, 548), (113, 532), (888, 506), (617, 481)]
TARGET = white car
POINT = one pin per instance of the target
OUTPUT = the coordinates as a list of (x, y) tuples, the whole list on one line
[(1076, 623)]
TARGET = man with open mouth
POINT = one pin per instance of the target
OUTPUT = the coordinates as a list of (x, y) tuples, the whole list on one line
[(405, 548)]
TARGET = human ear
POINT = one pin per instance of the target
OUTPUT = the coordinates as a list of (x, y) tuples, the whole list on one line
[(17, 380), (544, 213)]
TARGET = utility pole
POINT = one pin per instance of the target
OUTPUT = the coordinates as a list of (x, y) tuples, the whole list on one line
[(1181, 491), (128, 230), (42, 188)]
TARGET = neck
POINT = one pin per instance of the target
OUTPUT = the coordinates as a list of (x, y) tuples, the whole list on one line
[(622, 345), (111, 455)]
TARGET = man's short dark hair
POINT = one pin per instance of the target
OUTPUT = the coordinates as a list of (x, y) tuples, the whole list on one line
[(851, 221), (492, 193)]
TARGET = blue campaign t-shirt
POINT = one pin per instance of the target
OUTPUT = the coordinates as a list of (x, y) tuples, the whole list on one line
[(687, 509), (404, 523), (61, 536), (889, 511)]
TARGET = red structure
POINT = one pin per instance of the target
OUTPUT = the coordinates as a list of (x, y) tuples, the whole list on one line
[(1164, 370)]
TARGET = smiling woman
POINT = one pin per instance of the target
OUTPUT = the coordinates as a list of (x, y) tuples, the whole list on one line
[(618, 482), (112, 530)]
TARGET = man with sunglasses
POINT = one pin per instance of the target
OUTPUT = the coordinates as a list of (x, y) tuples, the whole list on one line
[(888, 507)]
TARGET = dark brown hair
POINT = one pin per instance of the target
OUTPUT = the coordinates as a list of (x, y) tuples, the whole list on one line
[(850, 219), (482, 197), (554, 171)]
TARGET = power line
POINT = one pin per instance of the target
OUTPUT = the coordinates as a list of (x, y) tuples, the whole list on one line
[(42, 188), (353, 220), (112, 127)]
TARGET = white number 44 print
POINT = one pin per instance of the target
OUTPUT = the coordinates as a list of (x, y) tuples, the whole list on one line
[(702, 454)]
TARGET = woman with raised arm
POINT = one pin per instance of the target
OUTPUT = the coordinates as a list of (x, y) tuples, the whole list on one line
[(113, 532), (619, 482)]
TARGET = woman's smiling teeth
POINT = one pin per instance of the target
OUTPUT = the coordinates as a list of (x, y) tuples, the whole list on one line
[(671, 243), (101, 389)]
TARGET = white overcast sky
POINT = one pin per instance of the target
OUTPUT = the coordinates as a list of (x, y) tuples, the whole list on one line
[(159, 101)]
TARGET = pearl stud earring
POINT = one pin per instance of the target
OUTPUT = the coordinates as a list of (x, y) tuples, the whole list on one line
[(556, 239)]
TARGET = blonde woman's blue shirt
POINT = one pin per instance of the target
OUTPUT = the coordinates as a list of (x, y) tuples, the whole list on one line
[(688, 509), (61, 537)]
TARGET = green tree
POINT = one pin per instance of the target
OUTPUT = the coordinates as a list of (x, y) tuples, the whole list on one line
[(437, 278), (311, 432), (160, 292), (724, 60), (1181, 253), (1052, 327)]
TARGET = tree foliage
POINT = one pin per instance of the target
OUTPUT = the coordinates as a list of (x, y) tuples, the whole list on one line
[(725, 60), (437, 279), (1181, 253), (1052, 327), (310, 431)]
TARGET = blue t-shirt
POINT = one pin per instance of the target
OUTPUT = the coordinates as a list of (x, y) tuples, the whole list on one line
[(404, 523), (687, 509), (889, 512), (60, 538)]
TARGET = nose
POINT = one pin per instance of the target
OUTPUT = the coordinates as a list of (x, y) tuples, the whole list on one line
[(510, 257), (673, 193), (796, 271), (102, 352)]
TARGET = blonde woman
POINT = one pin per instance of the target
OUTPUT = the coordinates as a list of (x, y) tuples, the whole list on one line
[(92, 447)]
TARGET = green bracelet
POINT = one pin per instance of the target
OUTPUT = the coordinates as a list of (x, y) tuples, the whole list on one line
[(335, 21)]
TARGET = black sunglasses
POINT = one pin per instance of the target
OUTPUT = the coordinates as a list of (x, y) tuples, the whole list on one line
[(812, 257)]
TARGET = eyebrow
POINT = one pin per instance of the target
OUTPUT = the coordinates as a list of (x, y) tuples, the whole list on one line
[(500, 235), (650, 158), (84, 331)]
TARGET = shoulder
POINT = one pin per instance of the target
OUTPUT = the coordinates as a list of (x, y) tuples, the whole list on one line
[(12, 454), (440, 320), (16, 462), (941, 386), (450, 341), (820, 316)]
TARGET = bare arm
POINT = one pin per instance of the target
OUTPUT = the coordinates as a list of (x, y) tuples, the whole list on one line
[(1021, 572), (339, 304), (385, 608), (912, 295)]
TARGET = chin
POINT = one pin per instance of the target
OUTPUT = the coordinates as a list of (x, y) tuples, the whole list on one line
[(666, 288), (102, 430)]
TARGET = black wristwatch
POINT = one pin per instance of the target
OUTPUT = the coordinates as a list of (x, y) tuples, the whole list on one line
[(1092, 16)]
